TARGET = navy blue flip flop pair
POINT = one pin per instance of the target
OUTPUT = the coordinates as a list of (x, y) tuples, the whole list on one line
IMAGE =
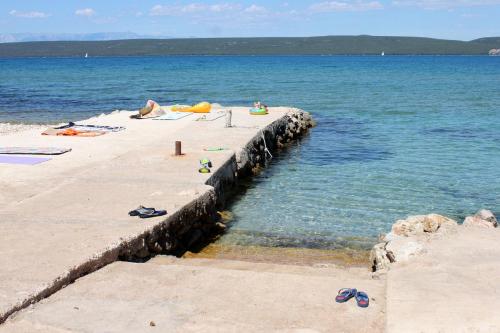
[(346, 294), (145, 213)]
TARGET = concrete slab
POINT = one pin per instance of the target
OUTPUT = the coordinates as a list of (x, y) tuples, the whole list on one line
[(68, 216), (452, 288), (188, 295)]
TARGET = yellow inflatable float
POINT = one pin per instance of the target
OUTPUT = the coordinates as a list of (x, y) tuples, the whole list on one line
[(203, 107)]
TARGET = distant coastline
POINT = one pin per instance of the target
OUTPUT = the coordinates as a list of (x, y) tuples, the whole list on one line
[(327, 45)]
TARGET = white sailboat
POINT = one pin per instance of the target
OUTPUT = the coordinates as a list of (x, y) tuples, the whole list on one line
[(86, 55), (382, 54)]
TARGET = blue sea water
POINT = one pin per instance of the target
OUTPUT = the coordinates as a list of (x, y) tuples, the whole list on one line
[(395, 136)]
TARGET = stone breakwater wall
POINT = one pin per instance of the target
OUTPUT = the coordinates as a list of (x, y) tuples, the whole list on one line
[(408, 238), (277, 135), (196, 224)]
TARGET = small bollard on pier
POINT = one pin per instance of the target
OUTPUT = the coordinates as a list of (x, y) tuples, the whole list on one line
[(229, 115), (178, 148)]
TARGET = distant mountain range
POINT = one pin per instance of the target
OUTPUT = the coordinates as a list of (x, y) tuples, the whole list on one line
[(39, 37), (327, 45)]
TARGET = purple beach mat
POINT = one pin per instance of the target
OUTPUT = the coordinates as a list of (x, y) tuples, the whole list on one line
[(25, 160)]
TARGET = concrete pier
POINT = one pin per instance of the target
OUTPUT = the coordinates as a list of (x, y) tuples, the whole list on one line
[(67, 217), (190, 295)]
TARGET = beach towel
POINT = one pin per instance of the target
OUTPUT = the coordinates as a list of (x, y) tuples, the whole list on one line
[(25, 160), (212, 116), (173, 115), (84, 127), (34, 150), (72, 132)]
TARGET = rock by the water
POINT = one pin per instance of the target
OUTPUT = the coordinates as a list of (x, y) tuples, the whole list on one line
[(379, 258), (419, 224), (404, 249), (407, 239), (484, 219)]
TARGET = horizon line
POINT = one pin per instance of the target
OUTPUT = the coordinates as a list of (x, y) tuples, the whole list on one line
[(148, 37)]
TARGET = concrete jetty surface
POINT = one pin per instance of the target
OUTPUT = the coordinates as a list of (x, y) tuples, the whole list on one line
[(64, 218), (451, 287), (206, 295), (448, 288)]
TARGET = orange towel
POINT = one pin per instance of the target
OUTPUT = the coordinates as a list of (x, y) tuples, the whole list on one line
[(73, 132), (69, 132)]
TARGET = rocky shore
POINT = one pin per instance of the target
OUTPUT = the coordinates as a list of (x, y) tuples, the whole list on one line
[(441, 276), (409, 238)]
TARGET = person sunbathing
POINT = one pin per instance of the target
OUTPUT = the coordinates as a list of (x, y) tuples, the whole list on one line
[(151, 110)]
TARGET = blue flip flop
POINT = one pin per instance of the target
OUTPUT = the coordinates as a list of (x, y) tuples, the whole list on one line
[(156, 213), (141, 210), (362, 299), (145, 213), (345, 294)]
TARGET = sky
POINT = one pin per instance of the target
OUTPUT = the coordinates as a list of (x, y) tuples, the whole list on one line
[(451, 19)]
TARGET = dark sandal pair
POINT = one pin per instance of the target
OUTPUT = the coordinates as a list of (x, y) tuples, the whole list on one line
[(145, 213), (346, 294)]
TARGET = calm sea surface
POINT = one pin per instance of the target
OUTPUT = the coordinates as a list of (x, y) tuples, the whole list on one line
[(395, 135)]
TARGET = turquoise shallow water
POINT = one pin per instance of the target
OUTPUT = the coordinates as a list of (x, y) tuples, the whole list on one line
[(395, 135)]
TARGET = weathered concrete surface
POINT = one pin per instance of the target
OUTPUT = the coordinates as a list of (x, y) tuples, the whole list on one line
[(67, 217), (452, 287), (191, 295)]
